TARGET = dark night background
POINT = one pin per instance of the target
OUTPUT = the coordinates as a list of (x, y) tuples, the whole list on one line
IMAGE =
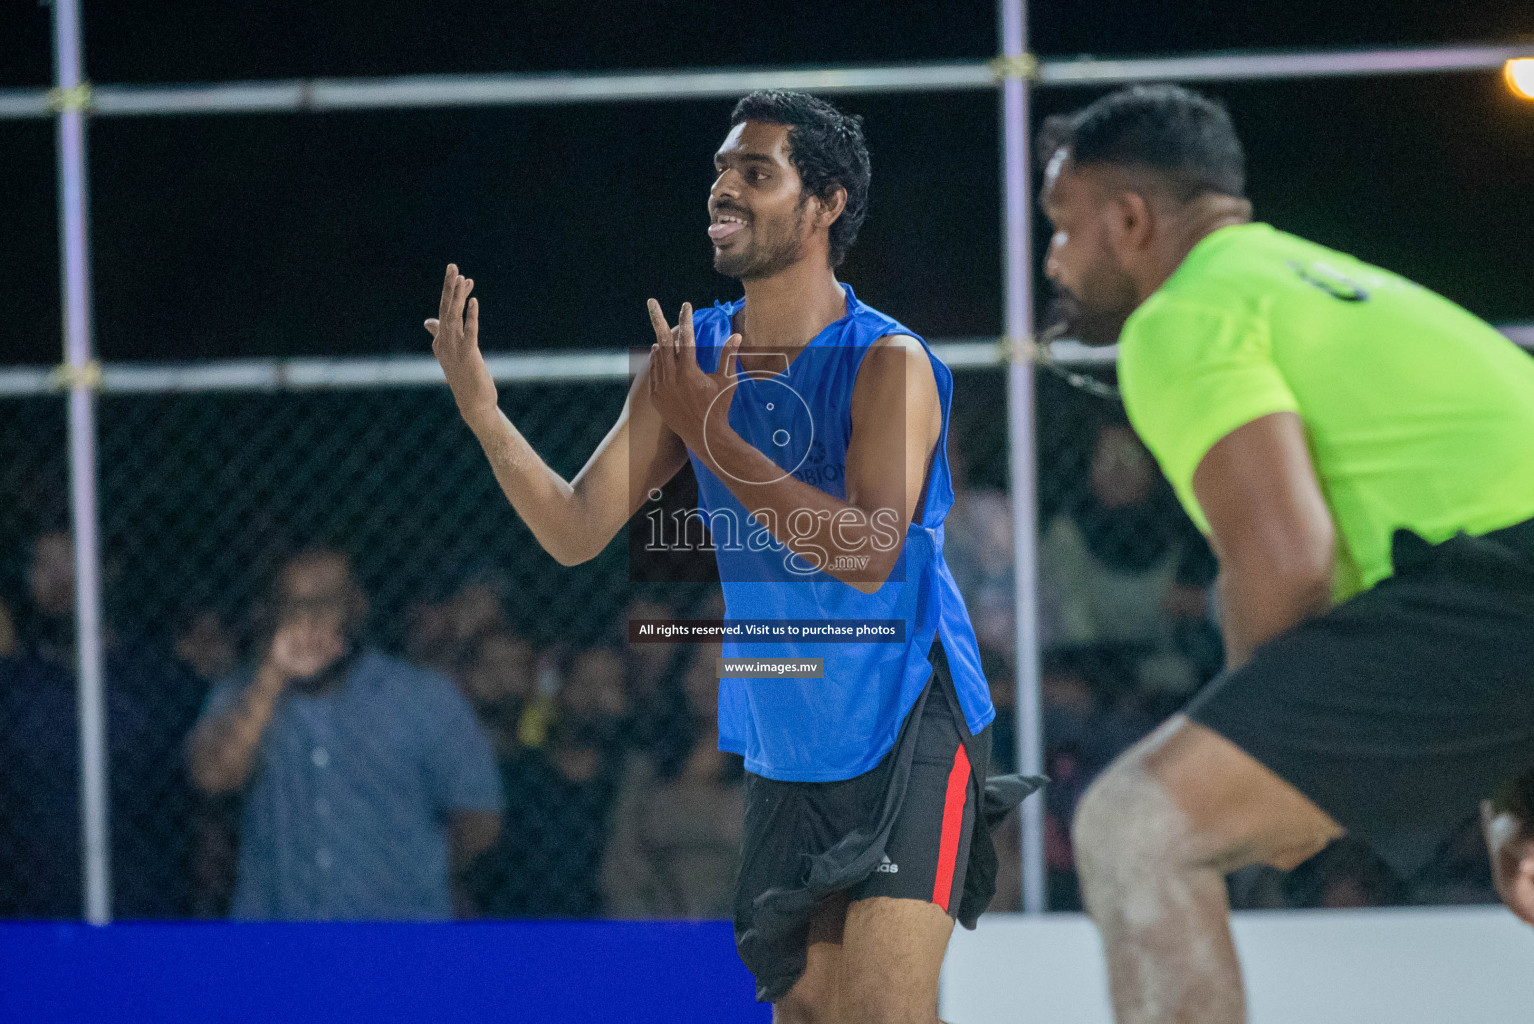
[(285, 234), (326, 234)]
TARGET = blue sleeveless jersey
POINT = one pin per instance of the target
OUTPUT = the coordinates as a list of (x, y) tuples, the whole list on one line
[(821, 730)]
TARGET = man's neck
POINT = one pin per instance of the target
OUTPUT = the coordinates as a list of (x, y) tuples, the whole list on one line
[(1202, 218), (784, 312)]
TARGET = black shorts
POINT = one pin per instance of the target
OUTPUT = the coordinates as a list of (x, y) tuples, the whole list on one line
[(1401, 708), (910, 827)]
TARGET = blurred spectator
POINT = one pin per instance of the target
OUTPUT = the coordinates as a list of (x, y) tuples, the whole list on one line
[(366, 781), (151, 701), (1257, 887), (207, 645), (1090, 716), (444, 635), (677, 827), (46, 631), (1459, 874), (1006, 836), (1345, 874), (547, 861), (1069, 779), (978, 547), (1089, 706), (1124, 564), (7, 631), (1089, 719), (1004, 725), (660, 719), (500, 681)]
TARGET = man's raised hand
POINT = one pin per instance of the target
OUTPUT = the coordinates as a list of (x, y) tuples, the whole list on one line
[(455, 343), (681, 392)]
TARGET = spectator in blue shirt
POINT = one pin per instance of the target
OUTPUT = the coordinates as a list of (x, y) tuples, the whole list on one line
[(151, 702), (367, 783)]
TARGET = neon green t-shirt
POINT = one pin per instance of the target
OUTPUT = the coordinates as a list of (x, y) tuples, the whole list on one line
[(1418, 414)]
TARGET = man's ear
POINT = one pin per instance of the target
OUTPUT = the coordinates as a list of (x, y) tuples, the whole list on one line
[(831, 207), (1131, 223)]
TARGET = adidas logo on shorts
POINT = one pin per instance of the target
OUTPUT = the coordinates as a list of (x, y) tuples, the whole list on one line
[(887, 865)]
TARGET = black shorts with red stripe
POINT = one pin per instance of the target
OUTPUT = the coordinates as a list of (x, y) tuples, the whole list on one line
[(908, 828)]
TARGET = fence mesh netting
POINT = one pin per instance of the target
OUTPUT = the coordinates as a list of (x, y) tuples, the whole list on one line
[(502, 684)]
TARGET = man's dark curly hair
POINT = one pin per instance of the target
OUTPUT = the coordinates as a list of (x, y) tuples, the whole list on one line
[(1187, 138), (826, 147)]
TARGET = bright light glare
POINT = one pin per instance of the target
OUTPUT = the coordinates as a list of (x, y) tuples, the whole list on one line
[(1519, 73)]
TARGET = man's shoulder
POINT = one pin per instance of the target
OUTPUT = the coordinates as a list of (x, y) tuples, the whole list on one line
[(900, 340), (895, 360), (1175, 319), (880, 326), (880, 331), (1228, 266)]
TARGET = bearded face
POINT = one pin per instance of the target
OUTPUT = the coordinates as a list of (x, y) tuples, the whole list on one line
[(758, 210), (1094, 293), (1094, 313), (771, 242)]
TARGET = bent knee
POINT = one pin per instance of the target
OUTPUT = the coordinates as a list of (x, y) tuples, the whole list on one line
[(1127, 818)]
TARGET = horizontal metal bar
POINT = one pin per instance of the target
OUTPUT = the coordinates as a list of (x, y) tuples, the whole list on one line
[(18, 381), (526, 368), (20, 103), (496, 90), (386, 371), (1232, 67), (331, 94), (341, 374), (970, 353), (1068, 352)]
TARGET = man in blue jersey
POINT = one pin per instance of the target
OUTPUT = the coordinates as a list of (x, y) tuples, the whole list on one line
[(817, 428)]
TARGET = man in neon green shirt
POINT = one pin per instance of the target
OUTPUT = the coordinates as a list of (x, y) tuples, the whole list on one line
[(1360, 452)]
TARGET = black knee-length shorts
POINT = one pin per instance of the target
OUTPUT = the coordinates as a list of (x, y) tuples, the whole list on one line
[(916, 826), (1401, 708)]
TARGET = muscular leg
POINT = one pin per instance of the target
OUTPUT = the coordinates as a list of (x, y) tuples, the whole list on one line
[(1154, 836), (892, 954), (876, 961), (813, 999)]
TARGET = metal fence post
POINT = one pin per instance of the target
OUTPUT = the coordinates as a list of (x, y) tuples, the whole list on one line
[(81, 370), (1022, 442)]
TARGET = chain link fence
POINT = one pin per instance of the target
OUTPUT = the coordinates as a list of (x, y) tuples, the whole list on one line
[(598, 754)]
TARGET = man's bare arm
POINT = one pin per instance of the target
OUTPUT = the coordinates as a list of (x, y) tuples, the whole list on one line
[(573, 520), (221, 751), (1271, 530), (896, 420)]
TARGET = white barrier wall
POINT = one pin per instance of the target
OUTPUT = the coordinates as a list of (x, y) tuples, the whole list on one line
[(1471, 965)]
